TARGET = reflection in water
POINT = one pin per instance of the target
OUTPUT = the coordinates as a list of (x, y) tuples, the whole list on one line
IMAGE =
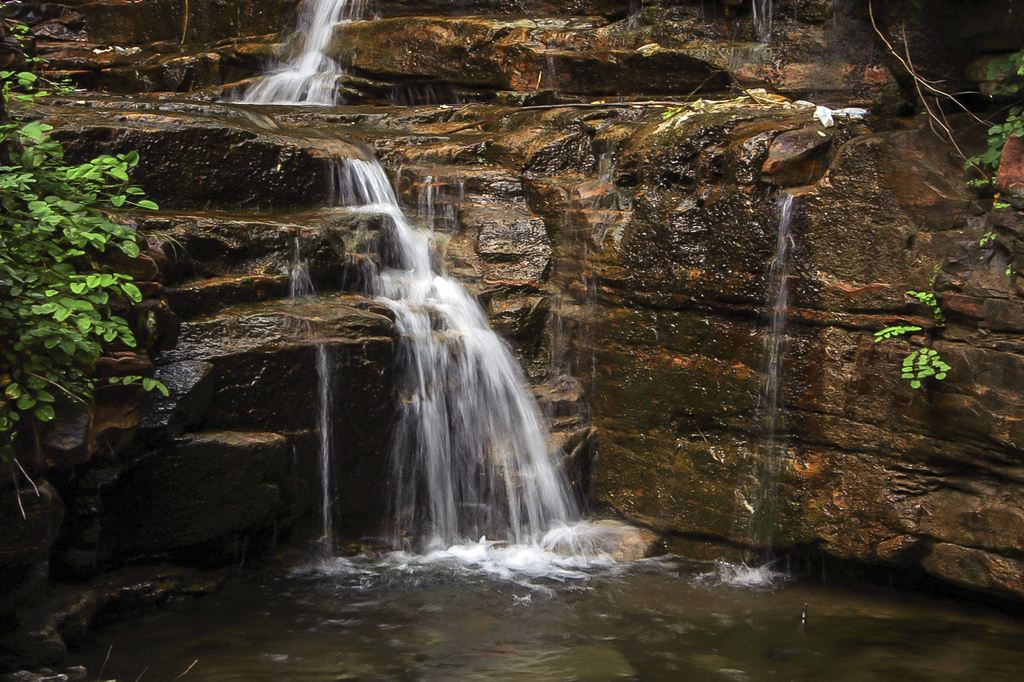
[(441, 619)]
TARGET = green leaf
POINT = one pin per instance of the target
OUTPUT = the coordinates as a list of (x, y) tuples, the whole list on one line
[(44, 413), (35, 131), (147, 204), (131, 291)]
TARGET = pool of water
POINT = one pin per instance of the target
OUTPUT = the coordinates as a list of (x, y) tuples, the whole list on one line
[(455, 617)]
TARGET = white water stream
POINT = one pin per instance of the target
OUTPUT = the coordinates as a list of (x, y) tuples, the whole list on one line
[(763, 11), (474, 477), (310, 76), (771, 406), (471, 456)]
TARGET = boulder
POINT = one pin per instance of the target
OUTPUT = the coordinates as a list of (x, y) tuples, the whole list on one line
[(203, 487), (615, 539), (190, 384), (26, 538)]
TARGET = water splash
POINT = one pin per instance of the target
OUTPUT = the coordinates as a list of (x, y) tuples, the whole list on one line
[(741, 575), (470, 456), (310, 76), (566, 552), (771, 400), (763, 11)]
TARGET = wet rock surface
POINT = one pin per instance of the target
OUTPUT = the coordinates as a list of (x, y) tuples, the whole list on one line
[(622, 249)]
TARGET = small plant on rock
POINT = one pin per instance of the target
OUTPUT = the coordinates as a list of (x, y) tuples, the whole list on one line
[(921, 363)]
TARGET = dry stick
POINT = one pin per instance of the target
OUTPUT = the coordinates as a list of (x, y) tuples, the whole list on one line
[(103, 667), (144, 671), (931, 114), (57, 386), (184, 28), (17, 493), (918, 80), (27, 477), (186, 670)]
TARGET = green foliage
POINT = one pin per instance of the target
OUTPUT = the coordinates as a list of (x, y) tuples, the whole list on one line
[(57, 294), (1008, 73), (988, 238), (893, 332), (928, 298), (920, 363)]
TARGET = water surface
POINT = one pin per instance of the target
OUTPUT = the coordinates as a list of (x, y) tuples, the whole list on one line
[(447, 618)]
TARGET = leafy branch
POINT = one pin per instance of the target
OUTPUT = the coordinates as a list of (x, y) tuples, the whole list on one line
[(58, 295)]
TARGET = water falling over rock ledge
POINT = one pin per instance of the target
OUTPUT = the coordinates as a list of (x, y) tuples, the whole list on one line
[(621, 255)]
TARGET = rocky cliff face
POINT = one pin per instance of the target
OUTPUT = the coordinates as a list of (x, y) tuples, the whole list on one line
[(622, 248)]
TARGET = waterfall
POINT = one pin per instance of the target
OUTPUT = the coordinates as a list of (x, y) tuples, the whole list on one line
[(302, 286), (633, 20), (470, 455), (771, 404), (310, 76), (763, 10)]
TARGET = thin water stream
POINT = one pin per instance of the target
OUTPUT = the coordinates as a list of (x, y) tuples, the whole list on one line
[(302, 286), (763, 12), (771, 406)]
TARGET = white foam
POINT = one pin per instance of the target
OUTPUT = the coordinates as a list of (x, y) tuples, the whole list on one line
[(742, 575)]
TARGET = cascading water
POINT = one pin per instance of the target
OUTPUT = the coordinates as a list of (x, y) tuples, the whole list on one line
[(310, 76), (763, 10), (771, 403), (635, 8), (302, 286), (470, 456)]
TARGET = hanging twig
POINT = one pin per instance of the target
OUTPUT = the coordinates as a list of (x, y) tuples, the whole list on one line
[(184, 28), (57, 386), (104, 666), (17, 493), (27, 477), (186, 670), (919, 82)]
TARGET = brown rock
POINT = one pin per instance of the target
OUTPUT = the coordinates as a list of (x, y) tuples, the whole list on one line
[(25, 540), (124, 363), (205, 486), (1010, 181), (65, 440), (976, 569), (798, 157)]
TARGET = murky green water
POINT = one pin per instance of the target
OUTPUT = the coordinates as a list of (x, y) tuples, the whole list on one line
[(659, 620)]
